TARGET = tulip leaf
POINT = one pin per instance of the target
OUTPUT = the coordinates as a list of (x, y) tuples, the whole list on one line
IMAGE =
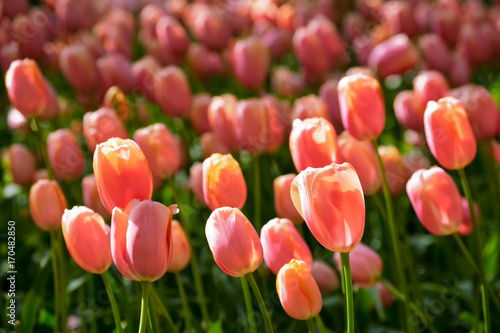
[(216, 327), (377, 301), (33, 300)]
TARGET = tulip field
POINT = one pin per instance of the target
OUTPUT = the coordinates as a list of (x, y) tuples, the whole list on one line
[(250, 166)]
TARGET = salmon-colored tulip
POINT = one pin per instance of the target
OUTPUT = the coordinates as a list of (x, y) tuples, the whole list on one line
[(331, 201), (22, 164), (222, 118), (223, 182), (233, 241), (79, 67), (309, 106), (286, 82), (366, 265), (361, 106), (181, 249), (449, 134), (329, 96), (144, 71), (101, 125), (122, 173), (467, 227), (282, 201), (460, 69), (210, 144), (281, 242), (141, 239), (196, 181), (394, 56), (199, 113), (160, 148), (172, 91), (91, 197), (408, 110), (436, 200), (429, 86), (325, 276), (395, 170), (435, 52), (171, 35), (115, 70), (250, 61), (87, 238), (47, 204), (297, 290), (313, 143), (65, 155)]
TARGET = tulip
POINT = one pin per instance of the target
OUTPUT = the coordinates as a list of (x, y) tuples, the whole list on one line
[(172, 35), (329, 96), (415, 160), (91, 197), (395, 169), (496, 150), (393, 56), (331, 201), (250, 61), (160, 148), (366, 265), (309, 106), (282, 201), (16, 120), (181, 250), (47, 204), (210, 144), (122, 173), (436, 200), (449, 134), (79, 67), (116, 70), (223, 182), (429, 86), (399, 16), (26, 87), (297, 290), (211, 28), (222, 118), (325, 276), (460, 70), (101, 125), (22, 164), (172, 91), (144, 71), (286, 82), (30, 34), (87, 238), (361, 106), (203, 61), (281, 242), (65, 155), (435, 52), (196, 181), (14, 8), (445, 23), (141, 239), (408, 110), (233, 241), (361, 155), (199, 113), (313, 143), (52, 110), (467, 227), (386, 297)]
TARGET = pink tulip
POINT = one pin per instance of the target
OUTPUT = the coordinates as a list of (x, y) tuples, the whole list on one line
[(144, 71), (282, 201), (116, 70), (366, 265), (47, 204), (91, 197), (250, 61), (287, 83), (172, 35), (329, 96), (30, 34), (399, 16), (203, 61), (309, 106), (386, 296), (460, 70), (16, 120), (181, 249), (222, 119), (211, 28), (65, 155), (79, 68), (408, 110), (199, 112), (395, 169), (429, 86), (395, 55), (101, 125), (22, 164), (196, 181), (435, 52), (172, 91), (467, 227), (210, 144), (325, 276)]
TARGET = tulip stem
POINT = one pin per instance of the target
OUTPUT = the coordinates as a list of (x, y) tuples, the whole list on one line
[(347, 281), (62, 275), (163, 309), (479, 249), (185, 304), (144, 306), (262, 305), (321, 325), (55, 271), (112, 301), (43, 147), (396, 248), (256, 192), (248, 304), (310, 326)]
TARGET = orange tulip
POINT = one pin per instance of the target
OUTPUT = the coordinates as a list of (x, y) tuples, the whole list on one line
[(122, 173), (47, 204), (181, 249), (100, 126), (282, 201)]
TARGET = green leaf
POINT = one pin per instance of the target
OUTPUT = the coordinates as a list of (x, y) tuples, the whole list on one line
[(216, 327), (33, 301), (363, 303)]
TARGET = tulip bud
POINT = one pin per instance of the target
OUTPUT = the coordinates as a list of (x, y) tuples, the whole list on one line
[(331, 201), (211, 28), (223, 182), (181, 250), (210, 144), (329, 96), (87, 238), (286, 82), (429, 86), (361, 106), (172, 35), (449, 134), (325, 276), (233, 241), (199, 112), (399, 16), (26, 87), (436, 200), (52, 110), (313, 143), (101, 125), (281, 242), (79, 67), (121, 173), (435, 52), (172, 91), (393, 56), (282, 201), (30, 34), (395, 169), (65, 155), (445, 23), (22, 164), (47, 204), (91, 197), (467, 227), (408, 110), (116, 70), (141, 239), (144, 71), (297, 290), (203, 61), (250, 61), (460, 70), (222, 118), (196, 181), (366, 265), (309, 106)]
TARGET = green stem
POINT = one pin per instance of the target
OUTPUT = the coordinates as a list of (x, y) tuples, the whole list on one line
[(479, 249), (346, 277), (163, 309), (112, 301), (62, 278), (321, 325), (260, 300), (91, 300), (248, 305), (55, 271), (310, 326), (256, 192), (43, 147), (185, 304), (396, 248), (144, 306), (194, 260)]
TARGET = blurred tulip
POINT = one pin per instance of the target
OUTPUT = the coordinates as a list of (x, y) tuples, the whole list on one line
[(460, 70), (16, 120), (199, 112), (393, 56), (101, 125), (449, 134), (282, 201), (281, 242), (313, 143), (172, 91), (13, 8), (210, 144), (287, 83), (91, 197), (297, 290), (65, 155), (399, 16), (386, 296), (415, 160), (309, 106), (144, 71), (361, 106), (325, 276), (87, 238), (203, 61), (366, 265), (233, 241), (496, 150), (116, 70), (429, 86), (52, 110), (408, 110), (172, 35), (115, 99), (445, 23), (222, 118), (353, 25), (122, 173), (22, 164), (436, 201), (223, 182), (141, 239), (395, 169), (47, 204), (467, 227), (79, 68), (250, 61), (329, 95), (181, 249), (211, 28), (196, 181), (30, 34), (331, 201), (361, 155), (435, 52)]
